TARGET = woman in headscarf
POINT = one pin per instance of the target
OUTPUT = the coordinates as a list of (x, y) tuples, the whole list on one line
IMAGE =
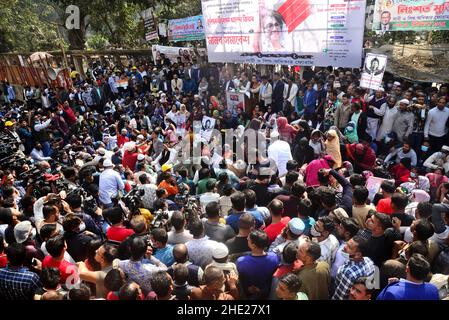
[(303, 131), (332, 147), (303, 153), (417, 196), (316, 142), (286, 131)]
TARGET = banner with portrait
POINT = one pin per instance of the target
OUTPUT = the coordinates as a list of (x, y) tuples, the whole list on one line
[(172, 53), (186, 29), (149, 25), (207, 125), (373, 71), (413, 15), (291, 32), (235, 100)]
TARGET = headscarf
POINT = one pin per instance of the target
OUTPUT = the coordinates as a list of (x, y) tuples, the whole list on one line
[(333, 147), (419, 195)]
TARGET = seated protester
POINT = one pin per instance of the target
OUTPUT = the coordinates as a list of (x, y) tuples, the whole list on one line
[(56, 248), (3, 257), (414, 286), (261, 214), (204, 178), (361, 156), (278, 222), (289, 179), (438, 159), (346, 229), (401, 171), (162, 251), (162, 285), (51, 282), (49, 231), (384, 205), (220, 256), (51, 216), (131, 291), (416, 182), (25, 234), (312, 169), (395, 268), (398, 203), (359, 208), (76, 205), (314, 275), (361, 289), (113, 281), (139, 225), (210, 194), (358, 265), (440, 220), (289, 264), (137, 268), (417, 196), (213, 226), (436, 179), (225, 200), (256, 269), (291, 201), (200, 248), (181, 288), (169, 184), (305, 209), (239, 244), (400, 153), (215, 281), (178, 234), (81, 293), (17, 282), (322, 234), (423, 211), (117, 231), (291, 233), (181, 257), (105, 256), (382, 237), (288, 288)]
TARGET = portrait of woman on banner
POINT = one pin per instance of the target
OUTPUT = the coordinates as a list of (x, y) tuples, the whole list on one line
[(274, 34)]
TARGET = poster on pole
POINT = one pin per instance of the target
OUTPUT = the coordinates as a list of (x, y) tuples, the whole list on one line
[(149, 25), (411, 15), (235, 100), (373, 185), (186, 29), (373, 71), (172, 53), (290, 32)]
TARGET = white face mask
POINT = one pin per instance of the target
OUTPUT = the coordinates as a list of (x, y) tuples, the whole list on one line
[(315, 233), (82, 227)]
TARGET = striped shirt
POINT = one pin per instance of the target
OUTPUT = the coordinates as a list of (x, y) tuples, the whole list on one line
[(18, 283), (348, 273)]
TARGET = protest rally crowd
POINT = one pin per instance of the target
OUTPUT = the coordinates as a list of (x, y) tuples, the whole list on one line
[(348, 197)]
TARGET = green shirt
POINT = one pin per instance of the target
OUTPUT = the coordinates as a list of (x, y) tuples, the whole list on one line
[(201, 187)]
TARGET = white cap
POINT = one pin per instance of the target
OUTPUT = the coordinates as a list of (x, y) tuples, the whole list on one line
[(405, 101), (140, 137), (140, 157), (397, 83), (101, 151), (220, 251), (107, 163), (445, 148), (129, 146), (381, 89), (274, 134)]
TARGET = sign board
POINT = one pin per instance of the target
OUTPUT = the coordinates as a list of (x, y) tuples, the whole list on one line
[(373, 71), (186, 29)]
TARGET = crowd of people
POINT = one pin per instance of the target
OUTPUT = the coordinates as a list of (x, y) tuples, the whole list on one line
[(348, 196)]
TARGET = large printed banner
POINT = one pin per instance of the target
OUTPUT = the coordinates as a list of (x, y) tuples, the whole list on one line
[(416, 15), (373, 71), (186, 29), (292, 32), (172, 53)]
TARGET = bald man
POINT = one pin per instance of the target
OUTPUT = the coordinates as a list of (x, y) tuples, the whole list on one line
[(215, 281), (181, 256)]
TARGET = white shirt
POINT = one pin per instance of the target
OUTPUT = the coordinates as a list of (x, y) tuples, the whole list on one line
[(207, 197), (280, 153), (329, 249), (340, 259), (175, 238), (436, 122), (110, 183)]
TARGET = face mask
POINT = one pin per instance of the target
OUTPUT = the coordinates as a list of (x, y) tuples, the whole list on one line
[(387, 139), (48, 170), (412, 175), (424, 148), (315, 233), (60, 112), (82, 227)]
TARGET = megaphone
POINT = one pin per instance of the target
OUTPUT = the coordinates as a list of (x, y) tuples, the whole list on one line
[(53, 73)]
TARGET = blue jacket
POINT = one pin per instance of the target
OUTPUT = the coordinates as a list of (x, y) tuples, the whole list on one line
[(310, 98), (406, 290)]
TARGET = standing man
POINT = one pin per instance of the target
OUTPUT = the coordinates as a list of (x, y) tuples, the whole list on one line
[(110, 185), (278, 92), (374, 113), (310, 103), (265, 93), (403, 124), (290, 92), (435, 129)]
